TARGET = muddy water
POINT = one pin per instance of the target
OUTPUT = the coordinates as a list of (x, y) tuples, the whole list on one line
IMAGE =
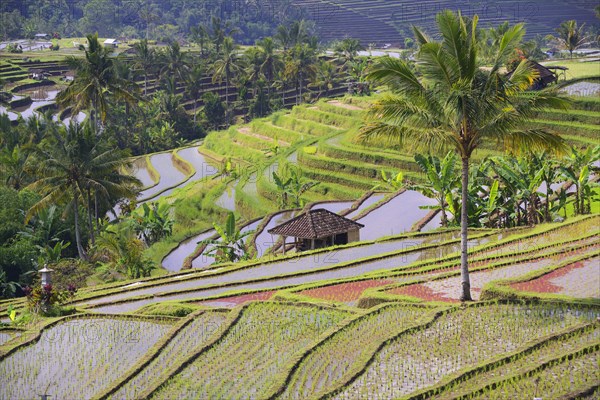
[(352, 271), (395, 217), (11, 115), (227, 199), (41, 96), (174, 260), (309, 262), (373, 199), (169, 175), (203, 166), (436, 222), (334, 206)]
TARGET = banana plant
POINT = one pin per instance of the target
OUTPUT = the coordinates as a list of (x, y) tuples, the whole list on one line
[(392, 181), (442, 180), (230, 246)]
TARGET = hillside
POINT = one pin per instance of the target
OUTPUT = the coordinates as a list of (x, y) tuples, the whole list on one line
[(385, 21)]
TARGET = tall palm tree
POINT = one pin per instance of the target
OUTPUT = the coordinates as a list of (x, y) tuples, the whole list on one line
[(95, 83), (346, 51), (300, 65), (174, 63), (225, 68), (570, 36), (74, 166), (193, 84), (449, 101), (272, 63), (144, 58)]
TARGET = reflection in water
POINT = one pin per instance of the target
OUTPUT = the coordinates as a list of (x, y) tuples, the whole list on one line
[(396, 216), (169, 174)]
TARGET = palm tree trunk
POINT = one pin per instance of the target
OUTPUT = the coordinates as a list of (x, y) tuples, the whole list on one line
[(547, 205), (464, 223), (90, 217), (80, 250), (145, 84)]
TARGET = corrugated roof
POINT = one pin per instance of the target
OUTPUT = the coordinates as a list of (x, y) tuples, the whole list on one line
[(315, 224)]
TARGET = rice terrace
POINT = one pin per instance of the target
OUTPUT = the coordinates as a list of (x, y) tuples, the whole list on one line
[(299, 199)]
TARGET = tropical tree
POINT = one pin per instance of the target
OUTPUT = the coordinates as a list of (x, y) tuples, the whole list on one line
[(118, 251), (74, 166), (300, 65), (154, 224), (576, 169), (231, 245), (15, 165), (325, 78), (450, 101), (175, 63), (442, 179), (570, 36), (272, 63), (225, 68), (193, 84), (144, 58), (95, 82), (346, 51)]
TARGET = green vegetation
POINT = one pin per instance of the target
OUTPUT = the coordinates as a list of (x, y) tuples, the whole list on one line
[(166, 282)]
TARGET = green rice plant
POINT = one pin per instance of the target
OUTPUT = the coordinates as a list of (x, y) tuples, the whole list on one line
[(340, 110), (569, 128), (301, 126), (345, 352), (187, 339), (563, 377), (326, 118), (264, 340), (581, 116), (457, 340), (545, 350), (266, 128), (77, 358)]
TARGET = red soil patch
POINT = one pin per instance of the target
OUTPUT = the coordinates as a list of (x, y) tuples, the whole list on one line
[(543, 284), (241, 299), (345, 292), (422, 292)]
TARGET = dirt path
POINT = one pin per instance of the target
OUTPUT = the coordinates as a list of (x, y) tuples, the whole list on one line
[(338, 103)]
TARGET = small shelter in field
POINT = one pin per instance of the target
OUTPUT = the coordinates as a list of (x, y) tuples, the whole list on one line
[(318, 228), (43, 36), (114, 43), (545, 76)]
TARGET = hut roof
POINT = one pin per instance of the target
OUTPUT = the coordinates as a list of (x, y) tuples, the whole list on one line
[(316, 224), (544, 73)]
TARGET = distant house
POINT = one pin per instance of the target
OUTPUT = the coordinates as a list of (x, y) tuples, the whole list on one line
[(38, 74), (318, 228), (43, 36), (545, 76), (114, 43)]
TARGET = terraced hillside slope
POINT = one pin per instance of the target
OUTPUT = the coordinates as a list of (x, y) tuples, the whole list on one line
[(388, 22)]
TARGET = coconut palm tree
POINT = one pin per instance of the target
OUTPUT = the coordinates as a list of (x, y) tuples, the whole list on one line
[(95, 83), (570, 36), (174, 63), (449, 101), (76, 166), (225, 68), (346, 51), (272, 63), (299, 66), (144, 58), (193, 84)]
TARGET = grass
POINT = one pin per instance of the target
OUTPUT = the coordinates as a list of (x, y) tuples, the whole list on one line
[(577, 68)]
